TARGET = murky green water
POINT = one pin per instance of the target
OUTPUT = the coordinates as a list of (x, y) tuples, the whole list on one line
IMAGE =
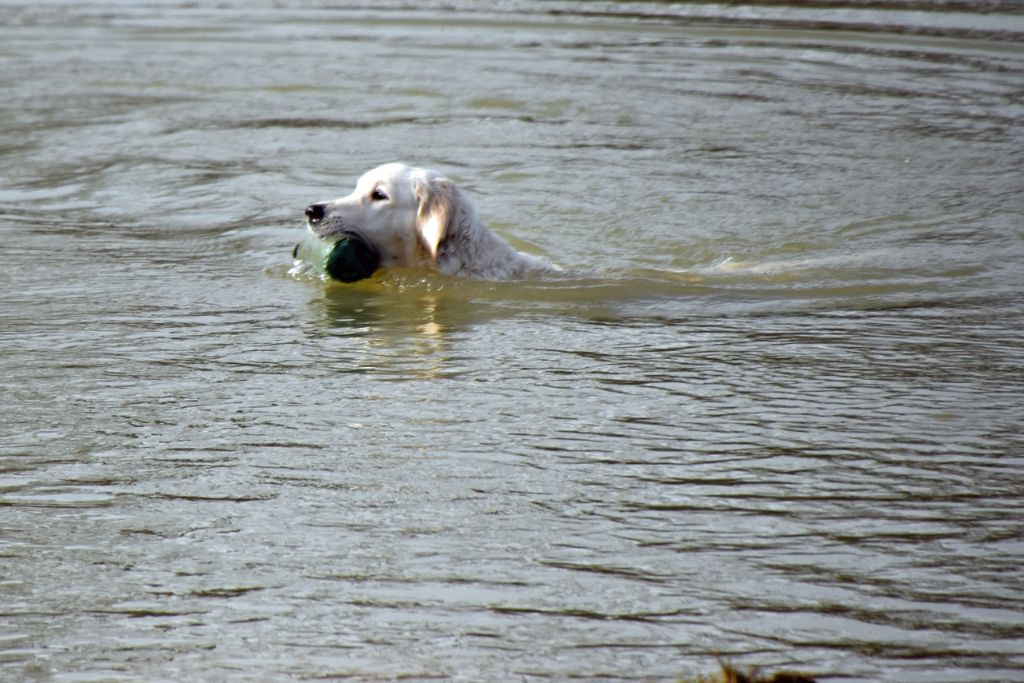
[(772, 414)]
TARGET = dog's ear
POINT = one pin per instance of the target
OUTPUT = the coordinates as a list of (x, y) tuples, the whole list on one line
[(438, 209)]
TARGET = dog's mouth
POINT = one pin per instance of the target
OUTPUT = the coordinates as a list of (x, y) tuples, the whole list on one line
[(323, 229)]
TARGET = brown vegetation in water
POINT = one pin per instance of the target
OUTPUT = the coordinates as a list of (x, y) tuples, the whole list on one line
[(730, 674)]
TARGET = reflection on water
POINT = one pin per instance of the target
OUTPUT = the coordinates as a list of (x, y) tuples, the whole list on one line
[(770, 412)]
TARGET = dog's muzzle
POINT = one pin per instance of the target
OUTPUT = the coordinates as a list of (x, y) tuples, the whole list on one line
[(343, 254)]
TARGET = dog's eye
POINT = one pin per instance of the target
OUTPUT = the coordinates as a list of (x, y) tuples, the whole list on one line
[(378, 196)]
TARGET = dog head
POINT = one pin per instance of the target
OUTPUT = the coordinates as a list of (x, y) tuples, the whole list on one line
[(403, 215)]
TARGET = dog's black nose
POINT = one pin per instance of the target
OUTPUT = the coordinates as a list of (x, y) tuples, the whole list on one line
[(315, 213)]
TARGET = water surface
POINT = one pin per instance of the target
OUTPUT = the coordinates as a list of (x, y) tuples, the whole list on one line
[(771, 413)]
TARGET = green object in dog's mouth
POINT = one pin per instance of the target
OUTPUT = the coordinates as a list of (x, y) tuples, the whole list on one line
[(346, 256)]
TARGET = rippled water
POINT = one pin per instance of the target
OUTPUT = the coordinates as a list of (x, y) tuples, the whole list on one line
[(773, 412)]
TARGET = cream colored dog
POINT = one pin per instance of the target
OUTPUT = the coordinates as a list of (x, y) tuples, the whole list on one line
[(417, 218)]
